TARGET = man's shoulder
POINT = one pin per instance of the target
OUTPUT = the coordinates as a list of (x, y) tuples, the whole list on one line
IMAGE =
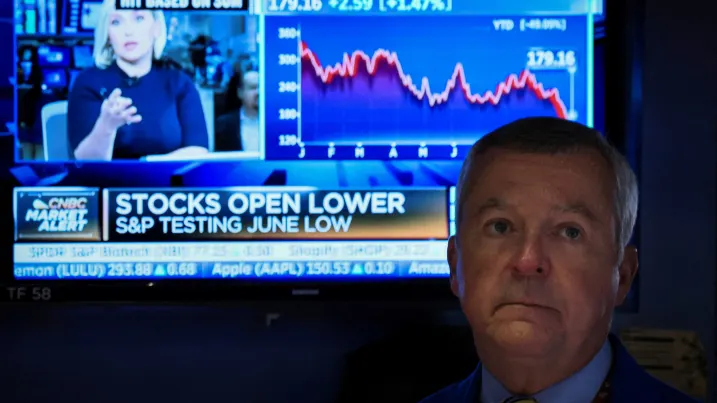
[(668, 394), (675, 396), (230, 119), (458, 392), (445, 395), (632, 383)]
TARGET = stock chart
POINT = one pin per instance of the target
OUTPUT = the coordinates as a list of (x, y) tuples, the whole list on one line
[(417, 87)]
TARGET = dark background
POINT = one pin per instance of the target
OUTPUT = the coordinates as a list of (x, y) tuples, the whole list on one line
[(142, 354)]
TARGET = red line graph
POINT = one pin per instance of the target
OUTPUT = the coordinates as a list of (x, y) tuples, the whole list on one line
[(348, 67)]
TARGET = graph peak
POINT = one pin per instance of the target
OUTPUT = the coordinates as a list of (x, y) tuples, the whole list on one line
[(349, 67)]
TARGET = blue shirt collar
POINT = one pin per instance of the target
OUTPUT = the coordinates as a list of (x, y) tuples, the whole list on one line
[(580, 387)]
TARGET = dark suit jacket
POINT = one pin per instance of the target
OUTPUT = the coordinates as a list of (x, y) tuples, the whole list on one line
[(227, 132), (630, 384)]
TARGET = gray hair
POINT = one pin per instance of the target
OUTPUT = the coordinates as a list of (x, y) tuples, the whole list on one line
[(545, 135), (103, 54)]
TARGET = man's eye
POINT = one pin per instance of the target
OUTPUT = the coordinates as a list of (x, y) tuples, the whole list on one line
[(571, 233), (499, 227)]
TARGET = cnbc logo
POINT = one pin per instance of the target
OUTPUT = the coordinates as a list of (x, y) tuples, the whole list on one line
[(58, 214)]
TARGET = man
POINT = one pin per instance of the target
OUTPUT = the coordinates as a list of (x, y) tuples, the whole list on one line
[(546, 209), (238, 130)]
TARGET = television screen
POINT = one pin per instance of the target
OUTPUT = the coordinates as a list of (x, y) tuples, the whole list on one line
[(306, 141)]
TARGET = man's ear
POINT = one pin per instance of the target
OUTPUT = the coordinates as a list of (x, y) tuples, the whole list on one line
[(627, 270), (452, 253)]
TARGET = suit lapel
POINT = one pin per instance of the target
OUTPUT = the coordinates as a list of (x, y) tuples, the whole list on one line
[(471, 387), (630, 383)]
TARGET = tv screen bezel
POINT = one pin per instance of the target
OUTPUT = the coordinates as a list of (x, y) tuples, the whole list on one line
[(620, 129)]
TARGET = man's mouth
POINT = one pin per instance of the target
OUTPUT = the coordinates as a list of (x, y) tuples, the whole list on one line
[(524, 304)]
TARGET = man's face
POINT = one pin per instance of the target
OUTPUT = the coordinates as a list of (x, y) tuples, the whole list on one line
[(535, 264), (249, 93)]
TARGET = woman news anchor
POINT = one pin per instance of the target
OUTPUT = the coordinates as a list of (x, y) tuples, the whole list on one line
[(130, 104)]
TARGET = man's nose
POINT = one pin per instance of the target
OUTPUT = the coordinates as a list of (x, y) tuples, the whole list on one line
[(531, 258)]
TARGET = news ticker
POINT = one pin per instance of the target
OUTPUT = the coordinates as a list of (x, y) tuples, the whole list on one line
[(293, 213), (229, 260), (179, 5)]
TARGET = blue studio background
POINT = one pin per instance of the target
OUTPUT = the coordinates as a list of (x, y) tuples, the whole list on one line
[(185, 354)]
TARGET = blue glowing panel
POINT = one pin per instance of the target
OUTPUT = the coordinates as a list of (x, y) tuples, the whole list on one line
[(397, 91)]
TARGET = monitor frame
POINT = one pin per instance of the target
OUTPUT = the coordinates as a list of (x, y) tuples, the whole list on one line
[(622, 125)]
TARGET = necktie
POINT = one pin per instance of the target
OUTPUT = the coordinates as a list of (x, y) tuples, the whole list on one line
[(518, 399)]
